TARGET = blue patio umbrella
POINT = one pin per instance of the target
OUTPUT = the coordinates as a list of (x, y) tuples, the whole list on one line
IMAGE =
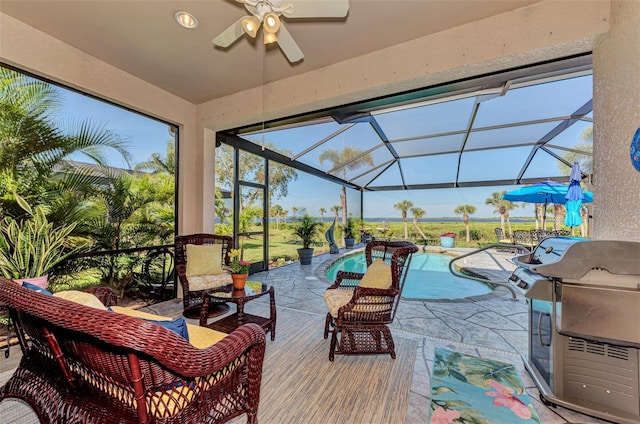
[(575, 196), (544, 192)]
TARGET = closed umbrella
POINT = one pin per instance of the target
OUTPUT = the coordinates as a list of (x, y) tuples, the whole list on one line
[(544, 192), (575, 196)]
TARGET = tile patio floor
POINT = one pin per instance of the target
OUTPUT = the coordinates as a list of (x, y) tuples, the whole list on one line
[(491, 326)]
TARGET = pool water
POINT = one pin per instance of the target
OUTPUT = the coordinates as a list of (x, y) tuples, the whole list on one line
[(428, 277)]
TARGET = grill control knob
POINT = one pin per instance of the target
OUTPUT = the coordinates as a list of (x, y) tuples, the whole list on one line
[(522, 284)]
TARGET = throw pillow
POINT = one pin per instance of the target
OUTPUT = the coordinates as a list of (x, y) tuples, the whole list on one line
[(377, 276), (36, 288), (204, 259), (200, 337), (178, 326), (82, 298)]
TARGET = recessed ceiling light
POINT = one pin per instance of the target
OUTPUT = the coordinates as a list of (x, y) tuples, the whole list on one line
[(186, 19)]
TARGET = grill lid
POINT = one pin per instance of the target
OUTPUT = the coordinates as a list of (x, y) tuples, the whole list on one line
[(572, 258)]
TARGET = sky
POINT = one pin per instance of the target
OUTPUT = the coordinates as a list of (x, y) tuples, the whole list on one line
[(145, 136)]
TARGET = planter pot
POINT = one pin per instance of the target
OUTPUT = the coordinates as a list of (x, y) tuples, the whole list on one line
[(38, 281), (239, 280), (305, 256), (348, 242), (446, 241)]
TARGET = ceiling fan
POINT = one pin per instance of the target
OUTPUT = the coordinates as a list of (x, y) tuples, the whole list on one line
[(267, 13)]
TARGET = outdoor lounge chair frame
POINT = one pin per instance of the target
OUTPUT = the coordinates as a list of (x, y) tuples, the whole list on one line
[(362, 323), (193, 299), (86, 365)]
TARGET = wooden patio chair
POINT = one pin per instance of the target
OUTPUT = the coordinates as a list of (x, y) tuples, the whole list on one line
[(202, 264), (361, 305)]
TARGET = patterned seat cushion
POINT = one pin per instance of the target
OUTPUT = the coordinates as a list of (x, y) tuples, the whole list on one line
[(336, 299), (208, 282)]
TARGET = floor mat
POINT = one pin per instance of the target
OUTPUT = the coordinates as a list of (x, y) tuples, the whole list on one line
[(468, 389)]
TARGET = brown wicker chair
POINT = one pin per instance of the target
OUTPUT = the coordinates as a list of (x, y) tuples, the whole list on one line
[(193, 298), (362, 321), (85, 365)]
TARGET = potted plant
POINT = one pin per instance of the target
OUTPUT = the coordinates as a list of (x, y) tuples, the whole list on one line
[(447, 239), (31, 247), (307, 229), (349, 232), (239, 269)]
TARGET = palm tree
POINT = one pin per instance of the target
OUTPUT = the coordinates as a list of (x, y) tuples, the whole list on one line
[(465, 210), (347, 159), (34, 145), (558, 216), (418, 213), (404, 206), (502, 207), (322, 212), (276, 211), (158, 164), (336, 210)]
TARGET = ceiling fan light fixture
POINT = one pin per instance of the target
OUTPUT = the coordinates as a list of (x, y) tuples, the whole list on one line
[(251, 25), (270, 38), (271, 23), (186, 19)]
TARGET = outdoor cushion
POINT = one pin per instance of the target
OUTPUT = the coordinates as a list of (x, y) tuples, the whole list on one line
[(83, 298), (199, 337), (207, 282), (178, 326), (204, 259), (36, 288), (336, 299), (377, 276)]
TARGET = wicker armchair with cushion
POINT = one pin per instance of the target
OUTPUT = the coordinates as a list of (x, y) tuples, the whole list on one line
[(361, 305), (202, 263), (87, 364)]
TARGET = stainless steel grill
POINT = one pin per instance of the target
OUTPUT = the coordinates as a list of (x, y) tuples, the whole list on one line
[(584, 324)]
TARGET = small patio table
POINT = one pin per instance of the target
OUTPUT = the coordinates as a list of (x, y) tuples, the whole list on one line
[(252, 290)]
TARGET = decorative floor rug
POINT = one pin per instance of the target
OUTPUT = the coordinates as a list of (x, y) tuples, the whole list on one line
[(468, 389)]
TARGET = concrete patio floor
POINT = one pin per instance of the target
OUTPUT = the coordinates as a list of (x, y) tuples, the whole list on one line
[(491, 326)]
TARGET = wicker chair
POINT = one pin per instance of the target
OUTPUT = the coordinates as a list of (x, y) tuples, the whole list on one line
[(86, 365), (192, 296), (361, 314)]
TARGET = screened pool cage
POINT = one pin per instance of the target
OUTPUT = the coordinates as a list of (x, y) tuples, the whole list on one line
[(510, 128)]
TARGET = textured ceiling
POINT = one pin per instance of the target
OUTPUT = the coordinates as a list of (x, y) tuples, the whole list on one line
[(141, 37)]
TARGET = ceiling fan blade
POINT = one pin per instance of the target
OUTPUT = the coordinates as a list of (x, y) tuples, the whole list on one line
[(230, 35), (317, 9), (288, 46)]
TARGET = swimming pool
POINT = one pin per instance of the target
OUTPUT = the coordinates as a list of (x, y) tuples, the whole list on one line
[(428, 277)]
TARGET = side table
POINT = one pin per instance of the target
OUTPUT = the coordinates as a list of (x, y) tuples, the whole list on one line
[(252, 290)]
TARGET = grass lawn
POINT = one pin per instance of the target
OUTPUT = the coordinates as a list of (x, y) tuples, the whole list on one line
[(283, 243)]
